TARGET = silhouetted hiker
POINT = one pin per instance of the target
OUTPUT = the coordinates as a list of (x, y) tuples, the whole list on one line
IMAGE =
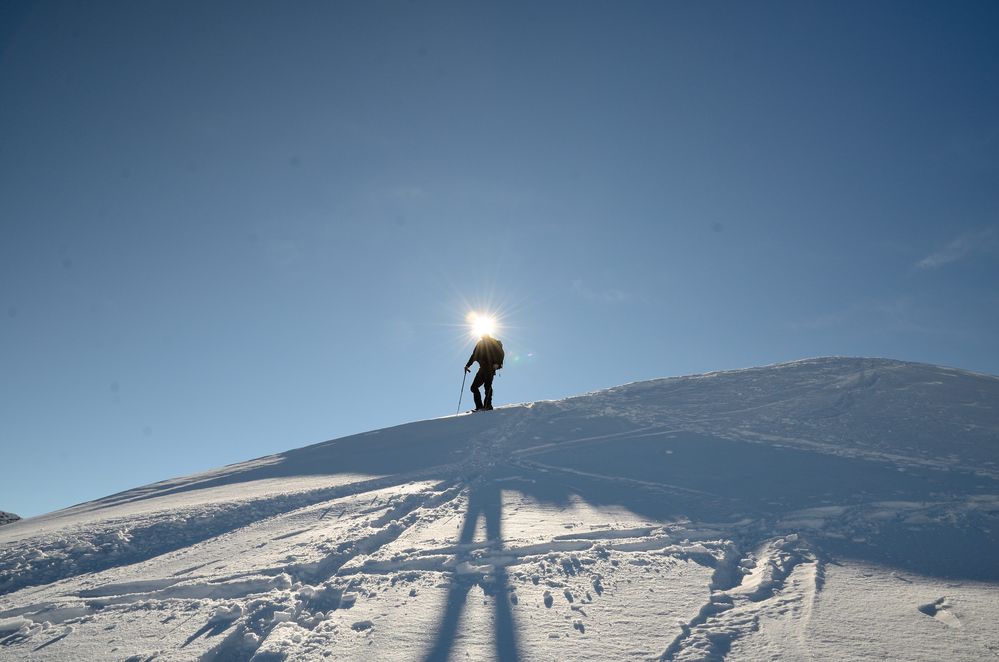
[(489, 354)]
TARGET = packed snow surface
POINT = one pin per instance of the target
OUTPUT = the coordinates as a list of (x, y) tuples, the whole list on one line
[(823, 509)]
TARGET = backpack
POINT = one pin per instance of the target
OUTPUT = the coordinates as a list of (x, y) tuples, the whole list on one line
[(498, 353)]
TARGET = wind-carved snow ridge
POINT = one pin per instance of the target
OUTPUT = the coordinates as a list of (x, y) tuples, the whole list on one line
[(823, 509)]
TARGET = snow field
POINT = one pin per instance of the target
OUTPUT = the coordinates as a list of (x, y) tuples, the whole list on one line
[(824, 509)]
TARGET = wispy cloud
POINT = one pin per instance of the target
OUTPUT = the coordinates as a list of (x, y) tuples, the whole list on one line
[(968, 244)]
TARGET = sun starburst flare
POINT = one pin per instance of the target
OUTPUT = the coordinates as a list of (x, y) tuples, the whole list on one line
[(481, 324)]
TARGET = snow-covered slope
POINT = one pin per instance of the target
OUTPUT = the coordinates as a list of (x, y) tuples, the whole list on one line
[(7, 518), (821, 509)]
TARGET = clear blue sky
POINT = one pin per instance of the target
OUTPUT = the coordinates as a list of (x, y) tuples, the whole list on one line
[(229, 229)]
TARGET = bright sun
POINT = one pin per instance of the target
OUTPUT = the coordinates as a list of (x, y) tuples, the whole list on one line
[(481, 324)]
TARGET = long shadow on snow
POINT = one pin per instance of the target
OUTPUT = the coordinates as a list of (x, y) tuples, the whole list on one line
[(709, 479), (677, 475), (484, 500)]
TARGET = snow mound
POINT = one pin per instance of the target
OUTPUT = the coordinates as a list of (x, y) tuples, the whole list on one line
[(829, 508)]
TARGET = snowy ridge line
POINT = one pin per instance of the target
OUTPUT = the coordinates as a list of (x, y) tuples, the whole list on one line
[(820, 361), (49, 558), (682, 381), (832, 400), (176, 485), (749, 370)]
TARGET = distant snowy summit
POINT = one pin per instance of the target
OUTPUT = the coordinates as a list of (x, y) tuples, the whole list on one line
[(7, 518)]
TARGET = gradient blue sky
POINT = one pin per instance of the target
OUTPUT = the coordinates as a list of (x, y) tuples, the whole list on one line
[(233, 228)]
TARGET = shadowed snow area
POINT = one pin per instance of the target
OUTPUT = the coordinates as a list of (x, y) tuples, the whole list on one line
[(828, 509)]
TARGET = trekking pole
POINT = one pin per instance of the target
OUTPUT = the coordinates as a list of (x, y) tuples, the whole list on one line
[(461, 393)]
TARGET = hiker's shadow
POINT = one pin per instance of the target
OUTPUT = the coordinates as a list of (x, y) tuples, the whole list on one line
[(484, 500)]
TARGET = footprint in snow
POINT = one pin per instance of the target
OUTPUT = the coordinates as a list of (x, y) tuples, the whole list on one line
[(940, 609)]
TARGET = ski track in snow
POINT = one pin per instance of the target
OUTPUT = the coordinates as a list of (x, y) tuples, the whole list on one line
[(681, 519)]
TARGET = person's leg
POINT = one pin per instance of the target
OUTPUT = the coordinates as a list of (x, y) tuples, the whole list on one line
[(488, 381), (476, 383)]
